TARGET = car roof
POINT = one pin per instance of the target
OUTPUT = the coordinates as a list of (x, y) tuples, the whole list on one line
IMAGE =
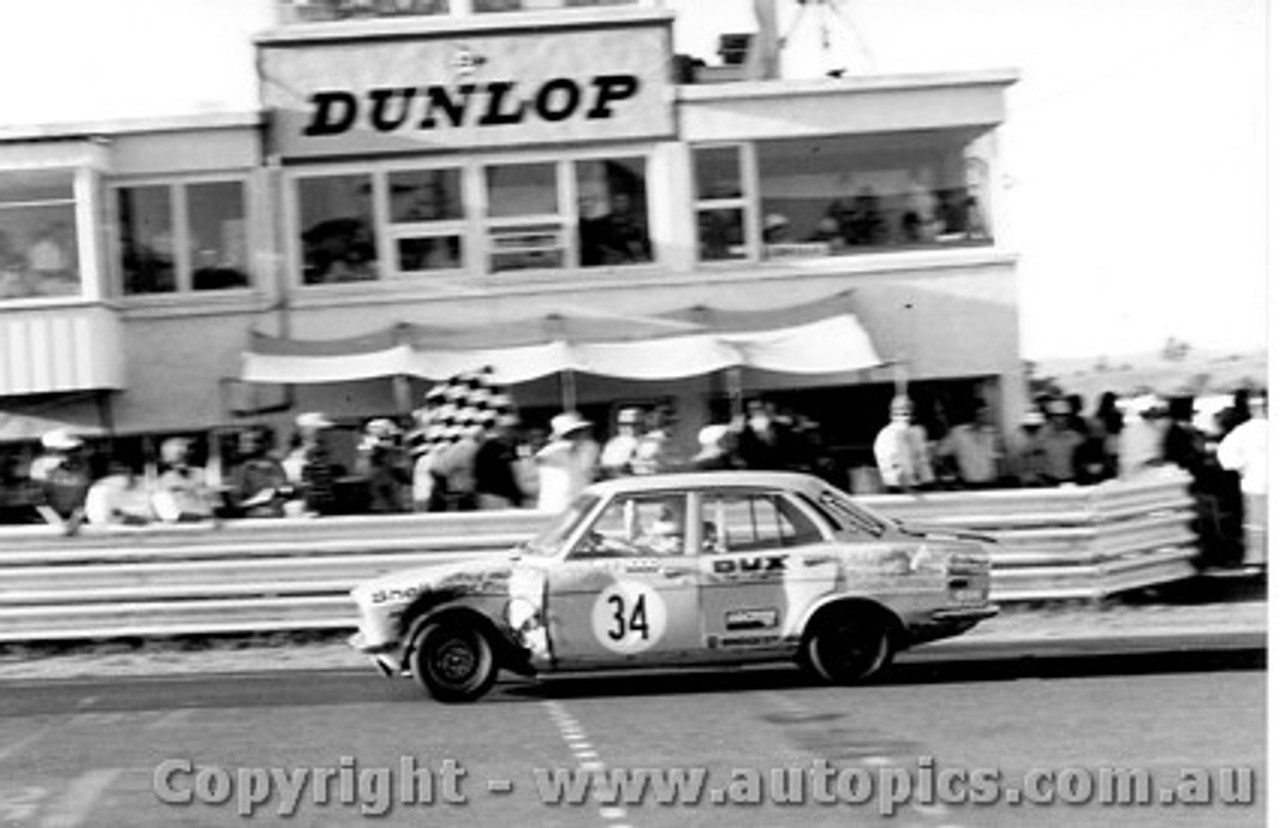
[(709, 480)]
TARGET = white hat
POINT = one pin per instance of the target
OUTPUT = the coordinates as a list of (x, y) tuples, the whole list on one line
[(313, 420), (60, 440), (174, 450), (1033, 417), (775, 220), (711, 436), (629, 415), (564, 424), (381, 427)]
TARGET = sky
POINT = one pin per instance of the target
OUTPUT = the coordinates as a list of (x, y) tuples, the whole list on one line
[(1134, 153)]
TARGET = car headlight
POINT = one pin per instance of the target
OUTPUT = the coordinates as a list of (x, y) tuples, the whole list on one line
[(521, 614)]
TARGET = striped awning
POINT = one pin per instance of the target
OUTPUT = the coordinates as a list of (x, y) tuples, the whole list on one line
[(818, 338)]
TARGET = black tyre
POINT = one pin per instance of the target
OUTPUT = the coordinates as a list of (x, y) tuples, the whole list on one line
[(453, 661), (848, 650)]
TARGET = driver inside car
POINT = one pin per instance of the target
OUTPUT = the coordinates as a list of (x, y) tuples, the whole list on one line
[(665, 535)]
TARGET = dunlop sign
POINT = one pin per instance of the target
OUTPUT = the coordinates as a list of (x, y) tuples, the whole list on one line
[(372, 96)]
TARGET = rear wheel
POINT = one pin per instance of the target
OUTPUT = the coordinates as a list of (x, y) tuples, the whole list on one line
[(848, 650), (453, 661)]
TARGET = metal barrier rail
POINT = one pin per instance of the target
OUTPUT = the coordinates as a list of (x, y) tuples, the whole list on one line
[(293, 574)]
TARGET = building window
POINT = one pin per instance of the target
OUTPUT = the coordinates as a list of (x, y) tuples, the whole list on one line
[(489, 6), (337, 228), (218, 241), (838, 196), (524, 223), (613, 226), (38, 247), (426, 216), (721, 203), (179, 237), (311, 11), (400, 223)]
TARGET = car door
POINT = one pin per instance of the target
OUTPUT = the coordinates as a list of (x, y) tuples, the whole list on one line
[(628, 590), (762, 565)]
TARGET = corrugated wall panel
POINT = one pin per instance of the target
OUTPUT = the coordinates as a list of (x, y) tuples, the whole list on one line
[(73, 349)]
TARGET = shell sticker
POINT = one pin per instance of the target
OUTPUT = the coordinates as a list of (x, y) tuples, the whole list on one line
[(629, 617)]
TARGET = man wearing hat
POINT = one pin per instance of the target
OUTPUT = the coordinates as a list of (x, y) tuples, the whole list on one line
[(1026, 449), (567, 463), (901, 450), (309, 464), (62, 473), (619, 453), (182, 492), (1061, 442), (382, 460), (1245, 450)]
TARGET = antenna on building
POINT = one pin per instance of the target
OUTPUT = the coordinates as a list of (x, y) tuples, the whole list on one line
[(826, 15)]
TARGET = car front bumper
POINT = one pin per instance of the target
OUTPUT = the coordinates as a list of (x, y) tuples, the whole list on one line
[(383, 656)]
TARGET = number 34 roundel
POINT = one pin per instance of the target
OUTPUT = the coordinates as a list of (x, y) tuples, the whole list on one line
[(629, 617)]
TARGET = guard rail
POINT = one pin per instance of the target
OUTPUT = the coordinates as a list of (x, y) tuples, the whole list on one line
[(294, 574)]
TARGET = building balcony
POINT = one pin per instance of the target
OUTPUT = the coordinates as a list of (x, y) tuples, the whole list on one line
[(45, 350)]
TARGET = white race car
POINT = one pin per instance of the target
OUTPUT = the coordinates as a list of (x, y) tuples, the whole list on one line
[(682, 569)]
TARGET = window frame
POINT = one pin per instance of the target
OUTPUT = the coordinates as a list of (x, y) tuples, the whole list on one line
[(85, 203), (976, 155), (748, 202), (474, 227), (294, 253), (824, 530), (180, 216), (388, 242), (576, 551)]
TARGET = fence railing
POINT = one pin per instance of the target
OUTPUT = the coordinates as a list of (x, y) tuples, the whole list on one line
[(294, 574)]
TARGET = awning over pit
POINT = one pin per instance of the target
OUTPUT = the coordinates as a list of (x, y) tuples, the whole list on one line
[(818, 338)]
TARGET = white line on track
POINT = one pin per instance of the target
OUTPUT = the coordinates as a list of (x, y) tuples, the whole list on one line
[(73, 807), (588, 759)]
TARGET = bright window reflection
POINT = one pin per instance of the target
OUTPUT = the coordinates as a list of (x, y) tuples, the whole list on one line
[(38, 248), (526, 230), (426, 214)]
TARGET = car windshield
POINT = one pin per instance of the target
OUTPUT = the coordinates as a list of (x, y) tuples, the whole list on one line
[(552, 537)]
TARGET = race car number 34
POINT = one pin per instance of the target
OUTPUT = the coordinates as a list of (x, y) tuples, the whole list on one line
[(629, 617)]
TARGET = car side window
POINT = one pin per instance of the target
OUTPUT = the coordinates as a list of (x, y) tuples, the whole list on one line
[(637, 526), (751, 521)]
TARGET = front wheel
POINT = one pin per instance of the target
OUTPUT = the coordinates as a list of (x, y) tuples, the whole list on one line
[(454, 662), (848, 650)]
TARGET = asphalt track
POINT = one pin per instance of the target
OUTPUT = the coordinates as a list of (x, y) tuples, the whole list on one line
[(87, 752)]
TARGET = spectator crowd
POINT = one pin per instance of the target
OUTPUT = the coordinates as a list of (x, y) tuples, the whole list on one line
[(466, 448)]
